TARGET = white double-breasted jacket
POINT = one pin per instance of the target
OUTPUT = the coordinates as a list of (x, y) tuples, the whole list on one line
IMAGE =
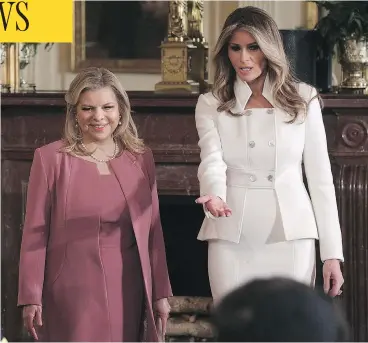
[(223, 170)]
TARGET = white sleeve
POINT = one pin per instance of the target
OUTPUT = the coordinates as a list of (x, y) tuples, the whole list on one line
[(212, 168), (320, 183)]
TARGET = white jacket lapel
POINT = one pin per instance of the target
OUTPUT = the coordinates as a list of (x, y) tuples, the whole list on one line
[(243, 93)]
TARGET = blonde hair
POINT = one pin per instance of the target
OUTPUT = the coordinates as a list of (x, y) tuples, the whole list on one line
[(266, 33), (125, 135)]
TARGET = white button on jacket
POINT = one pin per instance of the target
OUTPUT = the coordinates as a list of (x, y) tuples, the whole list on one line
[(222, 139)]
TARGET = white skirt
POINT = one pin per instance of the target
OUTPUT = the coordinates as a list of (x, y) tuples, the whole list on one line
[(262, 251)]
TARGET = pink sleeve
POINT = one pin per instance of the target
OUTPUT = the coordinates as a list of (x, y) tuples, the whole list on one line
[(35, 235), (161, 287)]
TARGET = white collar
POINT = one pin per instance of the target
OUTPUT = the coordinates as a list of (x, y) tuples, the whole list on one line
[(243, 92)]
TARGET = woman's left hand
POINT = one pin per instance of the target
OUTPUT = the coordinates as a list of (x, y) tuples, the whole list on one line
[(161, 310), (332, 277)]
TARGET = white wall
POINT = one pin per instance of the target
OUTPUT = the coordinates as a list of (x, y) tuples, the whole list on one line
[(53, 67), (287, 14)]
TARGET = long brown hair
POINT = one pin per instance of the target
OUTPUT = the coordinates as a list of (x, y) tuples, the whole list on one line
[(265, 31)]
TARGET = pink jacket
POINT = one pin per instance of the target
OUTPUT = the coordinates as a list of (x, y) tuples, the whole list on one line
[(44, 269)]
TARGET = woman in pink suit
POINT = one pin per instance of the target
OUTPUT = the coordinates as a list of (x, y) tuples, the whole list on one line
[(92, 262)]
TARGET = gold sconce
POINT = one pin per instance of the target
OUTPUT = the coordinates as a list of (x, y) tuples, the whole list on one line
[(196, 35), (17, 63), (184, 52), (9, 64), (311, 14)]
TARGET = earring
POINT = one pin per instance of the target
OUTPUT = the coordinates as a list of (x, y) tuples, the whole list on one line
[(78, 130), (120, 120)]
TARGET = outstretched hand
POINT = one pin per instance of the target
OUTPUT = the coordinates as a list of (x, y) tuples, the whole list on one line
[(215, 205)]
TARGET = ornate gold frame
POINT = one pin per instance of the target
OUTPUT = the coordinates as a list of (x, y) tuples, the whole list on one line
[(78, 53)]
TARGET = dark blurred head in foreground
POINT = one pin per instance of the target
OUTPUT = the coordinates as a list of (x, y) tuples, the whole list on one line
[(278, 310)]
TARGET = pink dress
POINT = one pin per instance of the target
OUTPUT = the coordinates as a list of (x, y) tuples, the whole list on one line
[(121, 264), (78, 257), (118, 258)]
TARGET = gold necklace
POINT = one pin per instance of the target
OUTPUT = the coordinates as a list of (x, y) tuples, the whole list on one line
[(99, 160)]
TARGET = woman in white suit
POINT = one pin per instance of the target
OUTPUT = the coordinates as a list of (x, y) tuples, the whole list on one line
[(256, 129)]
